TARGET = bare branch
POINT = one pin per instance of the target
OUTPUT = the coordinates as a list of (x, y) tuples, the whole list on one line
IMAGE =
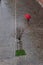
[(19, 33)]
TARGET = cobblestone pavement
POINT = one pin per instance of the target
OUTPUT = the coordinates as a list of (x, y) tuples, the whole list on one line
[(33, 32)]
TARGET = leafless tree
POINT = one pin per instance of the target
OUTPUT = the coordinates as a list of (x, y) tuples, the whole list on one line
[(19, 34)]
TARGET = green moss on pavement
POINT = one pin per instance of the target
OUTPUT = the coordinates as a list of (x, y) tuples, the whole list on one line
[(20, 53)]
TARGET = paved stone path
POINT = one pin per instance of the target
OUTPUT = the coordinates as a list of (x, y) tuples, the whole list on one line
[(32, 37), (33, 32)]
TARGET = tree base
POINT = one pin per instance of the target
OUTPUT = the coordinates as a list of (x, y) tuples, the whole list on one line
[(20, 53)]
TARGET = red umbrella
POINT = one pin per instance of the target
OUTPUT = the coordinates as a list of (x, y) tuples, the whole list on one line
[(27, 16)]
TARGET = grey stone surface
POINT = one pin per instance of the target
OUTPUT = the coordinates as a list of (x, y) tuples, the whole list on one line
[(7, 29), (32, 37)]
